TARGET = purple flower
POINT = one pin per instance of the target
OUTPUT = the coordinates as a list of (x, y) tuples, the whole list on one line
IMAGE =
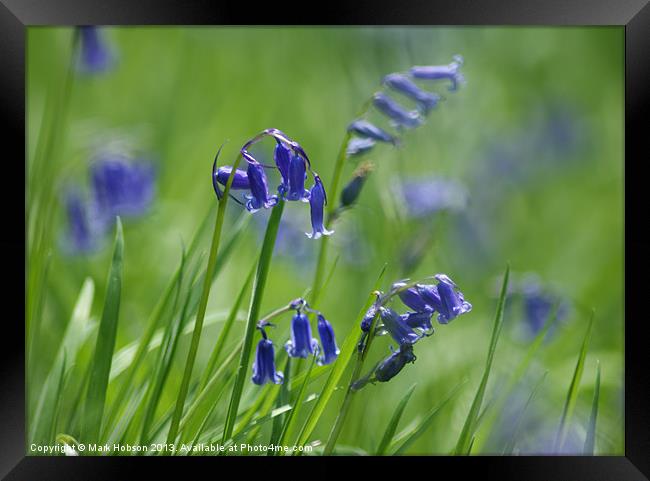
[(368, 318), (264, 364), (121, 187), (452, 301), (297, 176), (239, 182), (397, 328), (419, 320), (82, 235), (95, 56), (404, 85), (400, 116), (366, 129), (429, 295), (328, 341), (412, 298), (436, 72), (259, 188), (301, 343), (393, 364), (282, 158), (317, 202), (358, 146)]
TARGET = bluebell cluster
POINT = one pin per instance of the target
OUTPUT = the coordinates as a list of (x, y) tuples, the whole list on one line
[(424, 300), (300, 345), (366, 134), (119, 186), (95, 56), (292, 163)]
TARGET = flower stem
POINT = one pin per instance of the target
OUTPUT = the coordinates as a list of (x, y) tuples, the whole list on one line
[(253, 313), (203, 304)]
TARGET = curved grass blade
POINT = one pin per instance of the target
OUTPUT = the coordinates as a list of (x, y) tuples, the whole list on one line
[(394, 421), (263, 266), (469, 427), (338, 368), (590, 440), (284, 397), (424, 424), (574, 387), (101, 363), (290, 422), (510, 445)]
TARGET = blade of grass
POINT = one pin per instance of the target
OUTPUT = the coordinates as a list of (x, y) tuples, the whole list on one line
[(253, 315), (510, 445), (590, 439), (338, 368), (203, 304), (572, 394), (290, 422), (283, 398), (394, 421), (103, 356), (428, 418), (467, 433)]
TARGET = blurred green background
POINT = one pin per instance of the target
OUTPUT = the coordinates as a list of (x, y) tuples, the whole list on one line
[(535, 136)]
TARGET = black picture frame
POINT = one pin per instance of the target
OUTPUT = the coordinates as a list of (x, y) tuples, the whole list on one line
[(633, 15)]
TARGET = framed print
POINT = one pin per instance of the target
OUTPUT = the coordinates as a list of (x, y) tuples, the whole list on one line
[(393, 239)]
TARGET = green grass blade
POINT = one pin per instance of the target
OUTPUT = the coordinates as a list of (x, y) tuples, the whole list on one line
[(394, 421), (467, 433), (428, 418), (263, 266), (574, 387), (284, 397), (225, 330), (103, 356), (290, 422), (510, 445), (338, 368), (590, 440)]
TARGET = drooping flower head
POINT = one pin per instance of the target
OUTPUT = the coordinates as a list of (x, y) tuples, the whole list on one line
[(264, 364), (301, 343), (328, 341), (398, 114), (393, 364), (437, 72), (452, 301), (368, 130), (404, 85), (397, 327), (95, 55), (293, 164)]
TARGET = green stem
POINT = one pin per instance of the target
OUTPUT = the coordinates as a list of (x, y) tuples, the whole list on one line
[(253, 313), (203, 304)]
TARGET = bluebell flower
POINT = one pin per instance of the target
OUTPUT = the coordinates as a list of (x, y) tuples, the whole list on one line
[(95, 55), (297, 176), (430, 296), (452, 301), (538, 303), (81, 235), (352, 189), (317, 202), (397, 328), (121, 187), (259, 189), (419, 320), (359, 145), (366, 129), (401, 83), (282, 158), (368, 317), (393, 364), (264, 364), (436, 72), (412, 298), (400, 116), (239, 181), (301, 343), (328, 341)]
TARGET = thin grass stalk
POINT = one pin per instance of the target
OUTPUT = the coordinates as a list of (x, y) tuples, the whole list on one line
[(253, 313), (203, 304)]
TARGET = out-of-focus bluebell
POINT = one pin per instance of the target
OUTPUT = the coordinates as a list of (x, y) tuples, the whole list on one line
[(122, 186), (438, 72), (317, 202), (538, 304), (393, 364), (369, 130), (360, 145), (404, 85), (400, 117), (264, 364), (352, 189), (83, 233), (424, 197), (328, 341), (95, 55), (301, 343)]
